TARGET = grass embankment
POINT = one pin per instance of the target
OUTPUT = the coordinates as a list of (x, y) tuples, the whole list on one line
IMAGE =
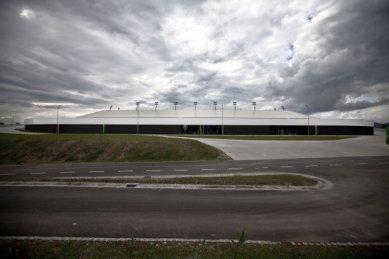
[(277, 137), (16, 149), (133, 249), (279, 179)]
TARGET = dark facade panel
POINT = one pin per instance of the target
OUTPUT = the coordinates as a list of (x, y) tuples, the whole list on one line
[(160, 129), (120, 129), (216, 129), (345, 130), (291, 130), (46, 128), (246, 130), (80, 128)]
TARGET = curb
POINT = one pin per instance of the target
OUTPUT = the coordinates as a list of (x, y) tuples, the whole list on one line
[(195, 240), (322, 184)]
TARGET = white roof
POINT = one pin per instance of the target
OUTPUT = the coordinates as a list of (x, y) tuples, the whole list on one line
[(196, 114)]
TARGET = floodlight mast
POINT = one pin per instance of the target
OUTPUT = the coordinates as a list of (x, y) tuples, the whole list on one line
[(222, 119), (255, 104), (156, 105), (308, 117), (234, 103), (58, 106), (137, 117), (55, 106), (215, 104), (195, 105), (175, 105)]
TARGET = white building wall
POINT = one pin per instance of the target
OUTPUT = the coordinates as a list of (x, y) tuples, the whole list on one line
[(202, 121)]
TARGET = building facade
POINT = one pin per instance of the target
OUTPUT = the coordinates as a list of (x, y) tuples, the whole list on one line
[(228, 122)]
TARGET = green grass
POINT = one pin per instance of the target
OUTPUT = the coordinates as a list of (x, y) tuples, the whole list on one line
[(52, 148), (168, 250), (279, 179), (275, 137)]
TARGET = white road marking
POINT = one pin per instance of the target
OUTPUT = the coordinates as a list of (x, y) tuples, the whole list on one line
[(95, 171), (38, 173), (125, 171), (208, 169), (67, 172), (287, 166), (153, 170), (310, 165), (235, 168), (335, 164), (180, 170), (6, 174)]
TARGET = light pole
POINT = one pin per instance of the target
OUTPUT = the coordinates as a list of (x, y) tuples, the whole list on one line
[(175, 105), (234, 103), (215, 104), (55, 106), (156, 105), (58, 107), (308, 117), (195, 105), (222, 120), (255, 104), (137, 117)]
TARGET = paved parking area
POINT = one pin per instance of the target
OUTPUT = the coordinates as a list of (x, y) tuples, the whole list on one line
[(268, 149)]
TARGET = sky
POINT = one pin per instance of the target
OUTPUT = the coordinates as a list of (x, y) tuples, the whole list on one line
[(326, 58)]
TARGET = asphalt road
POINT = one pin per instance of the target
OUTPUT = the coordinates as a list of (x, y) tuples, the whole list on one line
[(355, 209), (273, 149)]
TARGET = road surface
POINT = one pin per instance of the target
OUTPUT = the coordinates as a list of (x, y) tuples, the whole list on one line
[(354, 210)]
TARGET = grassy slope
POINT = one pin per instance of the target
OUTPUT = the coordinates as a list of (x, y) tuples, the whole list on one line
[(258, 137), (132, 249), (51, 148)]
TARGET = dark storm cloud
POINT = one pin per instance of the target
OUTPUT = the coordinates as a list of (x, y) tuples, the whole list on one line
[(98, 53), (355, 59)]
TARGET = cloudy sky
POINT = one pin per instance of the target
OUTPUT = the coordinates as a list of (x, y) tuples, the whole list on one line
[(328, 58)]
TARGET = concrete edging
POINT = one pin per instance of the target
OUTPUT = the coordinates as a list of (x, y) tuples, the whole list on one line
[(322, 184)]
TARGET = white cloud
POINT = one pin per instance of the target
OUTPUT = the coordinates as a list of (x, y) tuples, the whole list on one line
[(27, 13)]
